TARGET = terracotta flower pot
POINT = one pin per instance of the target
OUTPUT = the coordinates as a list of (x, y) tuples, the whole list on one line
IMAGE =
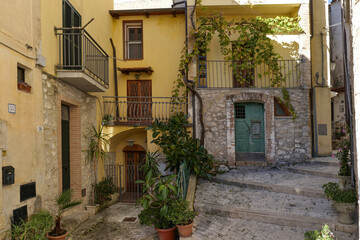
[(346, 212), (344, 182), (62, 237), (166, 234), (185, 230)]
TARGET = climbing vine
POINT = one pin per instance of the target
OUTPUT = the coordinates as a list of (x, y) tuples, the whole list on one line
[(251, 47)]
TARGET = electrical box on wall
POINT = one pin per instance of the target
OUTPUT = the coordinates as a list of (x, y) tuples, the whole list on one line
[(8, 175)]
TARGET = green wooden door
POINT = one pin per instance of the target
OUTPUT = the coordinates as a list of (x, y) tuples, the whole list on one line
[(249, 132), (65, 147)]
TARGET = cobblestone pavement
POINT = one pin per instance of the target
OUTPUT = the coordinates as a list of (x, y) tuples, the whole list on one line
[(109, 225), (211, 227), (225, 195)]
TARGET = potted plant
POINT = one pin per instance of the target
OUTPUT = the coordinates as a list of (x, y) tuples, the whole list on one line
[(160, 193), (36, 227), (182, 217), (344, 201), (104, 191), (63, 202), (343, 156), (323, 234)]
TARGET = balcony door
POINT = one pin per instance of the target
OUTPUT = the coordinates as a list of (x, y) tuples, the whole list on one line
[(242, 77), (71, 38), (139, 100)]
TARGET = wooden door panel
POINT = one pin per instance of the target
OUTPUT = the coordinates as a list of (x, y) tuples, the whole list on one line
[(139, 103)]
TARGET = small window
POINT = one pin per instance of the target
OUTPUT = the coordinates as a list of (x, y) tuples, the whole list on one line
[(240, 111), (133, 40), (20, 75), (280, 108)]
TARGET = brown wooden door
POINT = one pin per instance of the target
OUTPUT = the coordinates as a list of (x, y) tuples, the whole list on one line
[(139, 100), (133, 171), (242, 78)]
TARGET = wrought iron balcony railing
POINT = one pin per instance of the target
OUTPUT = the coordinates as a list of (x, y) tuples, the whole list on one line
[(78, 51), (141, 110), (225, 74)]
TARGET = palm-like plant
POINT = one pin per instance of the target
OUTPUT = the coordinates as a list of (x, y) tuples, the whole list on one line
[(63, 202), (98, 140)]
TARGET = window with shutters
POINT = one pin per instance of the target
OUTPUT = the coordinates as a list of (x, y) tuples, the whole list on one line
[(139, 107), (133, 40)]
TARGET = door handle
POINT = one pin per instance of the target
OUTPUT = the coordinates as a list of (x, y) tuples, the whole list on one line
[(250, 138)]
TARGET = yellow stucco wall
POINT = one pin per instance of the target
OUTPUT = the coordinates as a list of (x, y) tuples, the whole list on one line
[(320, 60), (23, 143), (163, 39)]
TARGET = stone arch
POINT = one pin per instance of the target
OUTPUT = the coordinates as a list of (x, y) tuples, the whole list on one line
[(250, 96)]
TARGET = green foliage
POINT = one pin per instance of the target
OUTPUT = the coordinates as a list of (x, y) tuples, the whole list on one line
[(159, 194), (150, 163), (251, 48), (36, 228), (343, 156), (63, 202), (178, 146), (333, 192), (97, 142), (180, 214), (323, 234), (287, 102), (104, 189)]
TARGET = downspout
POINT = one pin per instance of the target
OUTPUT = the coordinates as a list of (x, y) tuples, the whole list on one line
[(316, 147), (115, 76), (186, 75)]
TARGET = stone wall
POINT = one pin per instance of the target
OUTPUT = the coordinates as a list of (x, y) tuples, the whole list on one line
[(285, 139), (57, 92)]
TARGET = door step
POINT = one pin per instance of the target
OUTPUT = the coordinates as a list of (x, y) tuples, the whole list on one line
[(315, 170)]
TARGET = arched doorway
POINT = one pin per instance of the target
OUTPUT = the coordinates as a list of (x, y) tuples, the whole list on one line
[(132, 172)]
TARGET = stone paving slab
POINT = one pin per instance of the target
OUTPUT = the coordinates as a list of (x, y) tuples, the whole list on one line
[(108, 225), (261, 200), (210, 227)]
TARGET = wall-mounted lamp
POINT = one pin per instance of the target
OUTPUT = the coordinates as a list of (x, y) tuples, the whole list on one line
[(130, 142), (332, 66), (137, 76)]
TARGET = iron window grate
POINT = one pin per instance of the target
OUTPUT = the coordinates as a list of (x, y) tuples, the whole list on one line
[(240, 111)]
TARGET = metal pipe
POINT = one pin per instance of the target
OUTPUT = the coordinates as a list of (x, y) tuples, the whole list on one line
[(115, 73), (316, 150)]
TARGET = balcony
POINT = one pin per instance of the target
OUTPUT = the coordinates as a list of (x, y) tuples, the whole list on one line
[(227, 74), (141, 111), (82, 62)]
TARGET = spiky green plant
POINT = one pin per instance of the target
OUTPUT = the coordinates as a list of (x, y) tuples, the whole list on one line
[(63, 202), (98, 141)]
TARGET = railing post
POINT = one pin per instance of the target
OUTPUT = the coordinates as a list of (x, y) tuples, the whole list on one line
[(83, 60)]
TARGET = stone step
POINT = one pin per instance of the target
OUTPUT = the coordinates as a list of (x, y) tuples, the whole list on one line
[(319, 170), (306, 192), (74, 220), (263, 200), (274, 217), (275, 180), (328, 161)]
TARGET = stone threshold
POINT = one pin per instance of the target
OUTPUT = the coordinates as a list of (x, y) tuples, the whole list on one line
[(273, 217)]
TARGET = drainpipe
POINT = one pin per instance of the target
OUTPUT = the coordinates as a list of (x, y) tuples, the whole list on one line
[(115, 75), (316, 147), (186, 75)]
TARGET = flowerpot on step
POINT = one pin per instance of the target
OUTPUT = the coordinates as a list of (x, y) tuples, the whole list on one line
[(344, 182), (166, 234), (62, 237), (346, 212), (185, 230)]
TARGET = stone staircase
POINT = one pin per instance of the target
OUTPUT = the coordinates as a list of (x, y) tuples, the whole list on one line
[(291, 196)]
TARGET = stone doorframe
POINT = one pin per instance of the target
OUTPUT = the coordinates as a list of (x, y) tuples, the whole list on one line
[(269, 123), (75, 144)]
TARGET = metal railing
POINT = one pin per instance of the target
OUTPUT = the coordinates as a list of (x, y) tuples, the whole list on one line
[(119, 110), (125, 177), (79, 51), (224, 74)]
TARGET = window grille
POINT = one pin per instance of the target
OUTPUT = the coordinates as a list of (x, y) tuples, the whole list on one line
[(240, 111)]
